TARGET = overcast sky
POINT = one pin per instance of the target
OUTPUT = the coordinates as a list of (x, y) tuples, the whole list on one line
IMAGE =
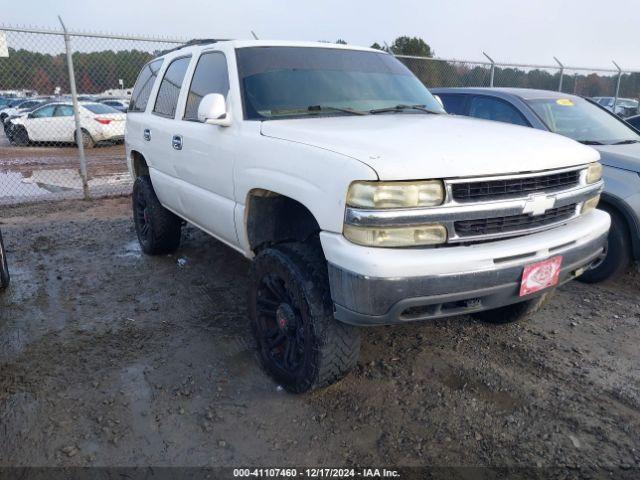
[(579, 32)]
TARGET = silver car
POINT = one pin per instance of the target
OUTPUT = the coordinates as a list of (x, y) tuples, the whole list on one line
[(588, 123)]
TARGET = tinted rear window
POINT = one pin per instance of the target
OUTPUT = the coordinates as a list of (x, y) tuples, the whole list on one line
[(453, 102), (496, 109), (100, 109), (635, 122), (169, 91), (144, 84)]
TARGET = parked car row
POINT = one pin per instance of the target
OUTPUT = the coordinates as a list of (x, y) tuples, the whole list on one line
[(53, 121), (624, 107)]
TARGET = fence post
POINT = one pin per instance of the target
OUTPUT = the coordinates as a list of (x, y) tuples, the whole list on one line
[(76, 111), (493, 69), (615, 98), (561, 73)]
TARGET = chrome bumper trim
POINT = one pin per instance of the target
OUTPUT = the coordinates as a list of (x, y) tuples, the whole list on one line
[(450, 211)]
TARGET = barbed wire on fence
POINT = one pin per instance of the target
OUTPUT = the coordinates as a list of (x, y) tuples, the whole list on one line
[(39, 158), (585, 81)]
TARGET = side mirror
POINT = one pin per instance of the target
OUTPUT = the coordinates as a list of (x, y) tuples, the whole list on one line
[(30, 115), (213, 110)]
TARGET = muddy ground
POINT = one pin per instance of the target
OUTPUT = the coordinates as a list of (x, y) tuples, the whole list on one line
[(51, 171), (110, 357)]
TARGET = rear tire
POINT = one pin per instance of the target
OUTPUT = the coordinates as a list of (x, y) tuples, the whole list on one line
[(87, 139), (514, 313), (158, 229), (617, 252), (4, 268), (20, 136), (300, 344)]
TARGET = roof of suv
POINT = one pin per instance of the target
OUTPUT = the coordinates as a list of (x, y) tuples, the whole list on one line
[(196, 45)]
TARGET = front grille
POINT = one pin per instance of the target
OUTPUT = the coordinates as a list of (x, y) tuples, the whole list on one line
[(512, 223), (513, 187)]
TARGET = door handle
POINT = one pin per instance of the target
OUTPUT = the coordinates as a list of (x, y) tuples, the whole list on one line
[(146, 134), (176, 142)]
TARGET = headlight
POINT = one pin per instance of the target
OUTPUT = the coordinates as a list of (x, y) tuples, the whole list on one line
[(594, 172), (590, 204), (381, 195), (396, 236)]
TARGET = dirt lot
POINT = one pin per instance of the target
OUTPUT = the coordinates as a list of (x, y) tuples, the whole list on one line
[(109, 357)]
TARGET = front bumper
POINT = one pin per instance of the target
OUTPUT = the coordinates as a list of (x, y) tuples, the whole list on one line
[(374, 286)]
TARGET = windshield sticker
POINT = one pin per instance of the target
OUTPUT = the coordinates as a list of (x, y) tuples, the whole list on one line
[(565, 102)]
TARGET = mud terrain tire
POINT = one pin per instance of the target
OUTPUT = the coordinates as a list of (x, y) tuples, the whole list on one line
[(158, 229), (299, 342)]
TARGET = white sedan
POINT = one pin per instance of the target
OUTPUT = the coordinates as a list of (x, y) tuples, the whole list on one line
[(55, 122)]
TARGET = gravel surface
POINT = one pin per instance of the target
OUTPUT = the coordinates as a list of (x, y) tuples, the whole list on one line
[(110, 357)]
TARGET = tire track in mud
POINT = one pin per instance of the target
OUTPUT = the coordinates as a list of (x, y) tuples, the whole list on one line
[(150, 361)]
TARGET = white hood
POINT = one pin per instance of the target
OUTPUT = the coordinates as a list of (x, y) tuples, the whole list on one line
[(419, 146)]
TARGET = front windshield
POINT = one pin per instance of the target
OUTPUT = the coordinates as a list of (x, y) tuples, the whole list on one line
[(280, 82), (581, 120)]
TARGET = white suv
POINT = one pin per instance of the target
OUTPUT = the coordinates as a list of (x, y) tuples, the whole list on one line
[(359, 200)]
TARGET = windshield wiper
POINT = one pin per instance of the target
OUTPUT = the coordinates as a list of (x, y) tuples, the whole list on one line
[(590, 142), (625, 142), (399, 108), (321, 108)]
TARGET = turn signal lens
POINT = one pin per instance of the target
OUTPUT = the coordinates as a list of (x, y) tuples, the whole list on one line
[(594, 172), (383, 195), (396, 236), (590, 204)]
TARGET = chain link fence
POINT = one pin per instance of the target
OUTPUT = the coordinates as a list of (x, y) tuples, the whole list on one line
[(51, 149), (40, 158), (448, 73), (588, 82)]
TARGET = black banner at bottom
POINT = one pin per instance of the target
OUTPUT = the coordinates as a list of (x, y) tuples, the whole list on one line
[(399, 473)]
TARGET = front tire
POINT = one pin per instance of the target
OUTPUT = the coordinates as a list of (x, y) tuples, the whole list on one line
[(158, 229), (518, 312), (300, 344), (617, 255), (4, 268)]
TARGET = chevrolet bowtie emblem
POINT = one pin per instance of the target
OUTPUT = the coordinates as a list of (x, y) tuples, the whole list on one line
[(538, 204)]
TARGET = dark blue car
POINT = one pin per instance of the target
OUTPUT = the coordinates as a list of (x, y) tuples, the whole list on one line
[(588, 123)]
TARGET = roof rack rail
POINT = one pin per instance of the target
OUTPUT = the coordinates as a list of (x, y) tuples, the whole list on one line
[(194, 41)]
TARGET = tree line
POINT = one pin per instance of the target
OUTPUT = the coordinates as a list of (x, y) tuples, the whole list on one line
[(101, 70), (95, 71)]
